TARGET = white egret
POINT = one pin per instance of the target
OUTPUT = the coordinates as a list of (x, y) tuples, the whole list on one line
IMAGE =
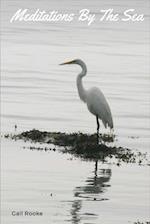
[(94, 98)]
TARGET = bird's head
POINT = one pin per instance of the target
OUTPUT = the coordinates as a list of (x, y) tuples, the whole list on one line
[(76, 61)]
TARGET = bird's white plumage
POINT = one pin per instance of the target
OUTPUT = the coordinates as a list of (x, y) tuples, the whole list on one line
[(97, 105), (94, 98)]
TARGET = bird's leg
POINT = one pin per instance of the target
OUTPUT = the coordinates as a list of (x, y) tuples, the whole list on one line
[(112, 134), (96, 167), (97, 129)]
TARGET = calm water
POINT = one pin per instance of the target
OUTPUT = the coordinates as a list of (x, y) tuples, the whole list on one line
[(79, 194), (38, 93)]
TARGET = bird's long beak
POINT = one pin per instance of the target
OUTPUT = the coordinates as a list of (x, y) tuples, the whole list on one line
[(66, 63)]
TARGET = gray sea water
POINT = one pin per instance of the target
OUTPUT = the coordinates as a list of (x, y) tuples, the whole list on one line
[(38, 93)]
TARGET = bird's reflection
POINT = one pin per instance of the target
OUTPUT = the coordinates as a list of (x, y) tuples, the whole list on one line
[(76, 206), (95, 185), (93, 190)]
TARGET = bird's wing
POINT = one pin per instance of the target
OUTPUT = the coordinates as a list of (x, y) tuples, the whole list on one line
[(98, 105)]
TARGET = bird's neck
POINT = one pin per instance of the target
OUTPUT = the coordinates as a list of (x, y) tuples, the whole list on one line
[(81, 90)]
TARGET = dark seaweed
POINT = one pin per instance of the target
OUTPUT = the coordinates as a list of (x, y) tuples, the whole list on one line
[(82, 145)]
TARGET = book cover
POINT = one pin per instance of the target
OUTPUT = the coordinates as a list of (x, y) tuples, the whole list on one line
[(75, 112)]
